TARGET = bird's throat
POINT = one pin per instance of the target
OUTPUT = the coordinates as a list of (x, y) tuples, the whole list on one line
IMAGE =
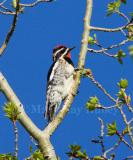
[(68, 55)]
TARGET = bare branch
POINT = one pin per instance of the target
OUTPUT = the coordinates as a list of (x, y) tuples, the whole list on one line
[(105, 108), (131, 120), (114, 147), (123, 16), (102, 135), (102, 126), (126, 123), (16, 139), (123, 140), (6, 9), (7, 13), (101, 87), (127, 158), (4, 1), (108, 48), (35, 3), (10, 33), (111, 29)]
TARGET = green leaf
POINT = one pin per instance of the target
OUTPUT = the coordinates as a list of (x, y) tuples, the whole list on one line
[(92, 40), (121, 94), (92, 103), (14, 3), (11, 111), (98, 158), (113, 7), (37, 155), (112, 128), (31, 149), (131, 14), (130, 32), (123, 83), (125, 131), (120, 55), (75, 151), (130, 49), (75, 148), (82, 155), (7, 157)]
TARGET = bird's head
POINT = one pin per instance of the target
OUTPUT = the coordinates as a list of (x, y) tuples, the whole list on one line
[(61, 51)]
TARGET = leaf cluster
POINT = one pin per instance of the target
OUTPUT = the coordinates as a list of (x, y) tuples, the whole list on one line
[(11, 111), (112, 129), (92, 40), (37, 155), (113, 7), (123, 97), (120, 55), (7, 157), (75, 152), (92, 103)]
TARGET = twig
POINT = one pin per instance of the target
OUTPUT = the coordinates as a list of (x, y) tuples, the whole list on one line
[(123, 140), (123, 15), (104, 52), (101, 87), (7, 13), (35, 3), (115, 146), (110, 29), (6, 9), (4, 1), (16, 139), (108, 48), (105, 108), (129, 122), (10, 33), (33, 141), (102, 127), (102, 135), (127, 158), (126, 123)]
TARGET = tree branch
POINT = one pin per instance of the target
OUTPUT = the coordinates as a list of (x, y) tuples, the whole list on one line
[(126, 123), (111, 29), (10, 33), (34, 3), (108, 48), (101, 87), (44, 143), (123, 16), (4, 1), (7, 13), (16, 139)]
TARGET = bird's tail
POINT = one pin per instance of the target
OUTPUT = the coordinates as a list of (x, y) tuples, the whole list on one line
[(49, 113)]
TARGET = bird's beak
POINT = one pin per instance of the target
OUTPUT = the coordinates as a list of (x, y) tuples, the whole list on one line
[(71, 48)]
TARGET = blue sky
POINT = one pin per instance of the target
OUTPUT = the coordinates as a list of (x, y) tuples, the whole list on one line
[(28, 57)]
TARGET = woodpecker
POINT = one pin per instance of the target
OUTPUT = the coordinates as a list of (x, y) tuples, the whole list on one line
[(59, 80)]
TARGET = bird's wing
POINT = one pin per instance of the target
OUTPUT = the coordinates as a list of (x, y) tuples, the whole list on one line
[(50, 76)]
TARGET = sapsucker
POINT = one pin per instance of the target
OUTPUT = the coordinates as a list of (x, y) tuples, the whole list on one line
[(59, 80)]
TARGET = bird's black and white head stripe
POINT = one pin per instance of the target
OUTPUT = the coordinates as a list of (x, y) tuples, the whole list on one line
[(60, 51)]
